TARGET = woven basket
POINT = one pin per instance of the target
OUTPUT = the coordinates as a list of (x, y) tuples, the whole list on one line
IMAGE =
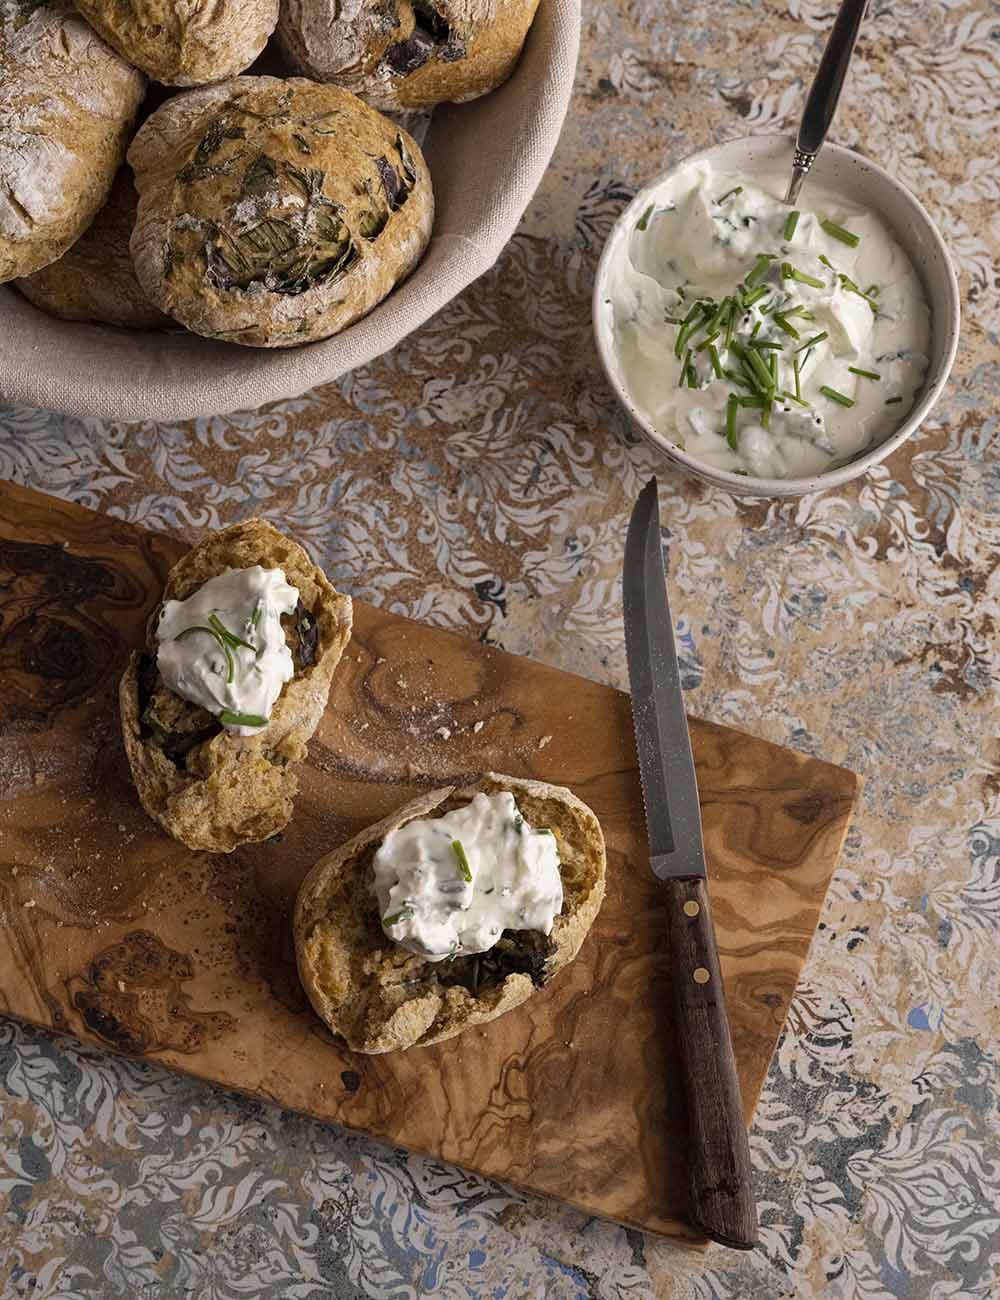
[(486, 160)]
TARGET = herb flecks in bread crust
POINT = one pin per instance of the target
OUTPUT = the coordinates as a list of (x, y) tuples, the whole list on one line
[(207, 787), (378, 996), (273, 212), (183, 44), (67, 102), (404, 55)]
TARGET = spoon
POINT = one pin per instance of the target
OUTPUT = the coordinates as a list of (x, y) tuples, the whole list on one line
[(824, 93)]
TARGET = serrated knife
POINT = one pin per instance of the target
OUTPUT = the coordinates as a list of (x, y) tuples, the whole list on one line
[(722, 1202)]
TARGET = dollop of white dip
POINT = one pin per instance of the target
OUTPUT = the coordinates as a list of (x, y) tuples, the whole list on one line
[(833, 275), (451, 885), (224, 647)]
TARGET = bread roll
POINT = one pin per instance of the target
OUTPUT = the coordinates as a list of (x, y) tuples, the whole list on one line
[(275, 212), (207, 786), (95, 280), (403, 55), (378, 996), (66, 107), (181, 43)]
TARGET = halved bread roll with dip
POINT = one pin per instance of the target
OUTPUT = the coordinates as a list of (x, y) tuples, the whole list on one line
[(448, 913), (232, 683)]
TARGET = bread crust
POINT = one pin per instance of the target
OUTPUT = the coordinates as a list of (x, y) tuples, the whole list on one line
[(275, 212), (377, 996), (229, 789), (95, 280), (402, 55), (67, 102), (182, 44)]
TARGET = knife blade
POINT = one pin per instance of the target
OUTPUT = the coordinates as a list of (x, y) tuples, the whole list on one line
[(722, 1202)]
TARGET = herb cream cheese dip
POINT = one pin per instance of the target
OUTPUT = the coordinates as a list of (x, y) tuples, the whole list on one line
[(225, 649), (451, 885), (761, 339)]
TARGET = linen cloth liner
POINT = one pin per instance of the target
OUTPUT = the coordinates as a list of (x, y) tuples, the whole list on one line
[(486, 160)]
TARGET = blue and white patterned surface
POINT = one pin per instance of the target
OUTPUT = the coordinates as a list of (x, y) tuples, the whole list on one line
[(480, 477)]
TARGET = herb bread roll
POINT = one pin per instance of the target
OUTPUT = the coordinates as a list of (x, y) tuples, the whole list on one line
[(180, 43), (95, 280), (207, 785), (401, 55), (67, 103), (379, 996), (275, 212)]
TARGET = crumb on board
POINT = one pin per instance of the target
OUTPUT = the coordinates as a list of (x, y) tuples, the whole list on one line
[(30, 903), (444, 733), (477, 727), (544, 741), (121, 986)]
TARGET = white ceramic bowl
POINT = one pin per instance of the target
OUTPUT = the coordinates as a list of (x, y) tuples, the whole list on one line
[(860, 181), (486, 159)]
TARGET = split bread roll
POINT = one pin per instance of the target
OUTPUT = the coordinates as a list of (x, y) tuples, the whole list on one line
[(273, 212), (95, 279), (380, 997), (182, 44), (67, 103), (401, 55), (208, 787)]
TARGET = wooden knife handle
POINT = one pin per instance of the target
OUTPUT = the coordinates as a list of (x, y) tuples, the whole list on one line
[(722, 1201)]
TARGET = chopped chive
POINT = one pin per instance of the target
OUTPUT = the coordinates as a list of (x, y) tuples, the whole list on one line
[(791, 222), (692, 375), (769, 344), (682, 378), (255, 619), (707, 343), (692, 313), (231, 638), (764, 261), (850, 287), (834, 396), (891, 401), (865, 374), (730, 323), (731, 408), (230, 719), (872, 291), (212, 633), (737, 189), (753, 332), (772, 365), (717, 317), (838, 232), (826, 261), (755, 295), (643, 221), (396, 917), (792, 398), (765, 414), (464, 870), (713, 356), (810, 343), (683, 334), (782, 324), (798, 386), (734, 378), (757, 367), (674, 320), (789, 272)]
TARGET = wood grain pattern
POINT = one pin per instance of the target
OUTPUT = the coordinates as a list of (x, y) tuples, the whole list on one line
[(111, 931), (721, 1182)]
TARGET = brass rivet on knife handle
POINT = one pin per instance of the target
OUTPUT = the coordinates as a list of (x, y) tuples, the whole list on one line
[(722, 1203)]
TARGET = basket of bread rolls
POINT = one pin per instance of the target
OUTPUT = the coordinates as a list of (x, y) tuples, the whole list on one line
[(205, 208)]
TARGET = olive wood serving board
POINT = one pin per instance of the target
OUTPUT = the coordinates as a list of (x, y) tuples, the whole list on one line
[(112, 932)]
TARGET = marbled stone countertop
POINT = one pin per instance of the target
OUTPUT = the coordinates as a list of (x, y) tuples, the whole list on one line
[(480, 476)]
